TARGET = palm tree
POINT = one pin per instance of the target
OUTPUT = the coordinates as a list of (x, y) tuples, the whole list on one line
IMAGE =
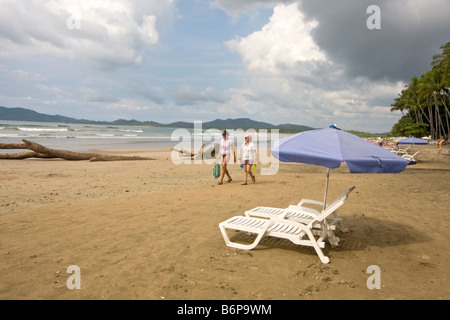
[(425, 100), (416, 102), (442, 61), (426, 89)]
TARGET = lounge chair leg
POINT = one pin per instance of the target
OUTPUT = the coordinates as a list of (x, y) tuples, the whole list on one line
[(319, 251), (232, 244)]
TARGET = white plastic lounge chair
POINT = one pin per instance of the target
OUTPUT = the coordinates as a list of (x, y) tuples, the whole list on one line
[(401, 151), (294, 231), (410, 157), (305, 215)]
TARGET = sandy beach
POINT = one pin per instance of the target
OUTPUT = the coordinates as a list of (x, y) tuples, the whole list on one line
[(149, 230)]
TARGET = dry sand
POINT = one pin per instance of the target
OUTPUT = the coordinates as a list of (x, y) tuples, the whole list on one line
[(149, 230)]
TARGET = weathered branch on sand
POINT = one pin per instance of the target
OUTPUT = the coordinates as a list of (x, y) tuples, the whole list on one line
[(39, 151), (23, 155), (204, 152)]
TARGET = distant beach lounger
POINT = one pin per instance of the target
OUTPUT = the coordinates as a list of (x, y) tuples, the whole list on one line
[(400, 151), (410, 157)]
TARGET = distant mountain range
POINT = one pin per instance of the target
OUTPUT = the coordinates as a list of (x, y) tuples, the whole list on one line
[(22, 114)]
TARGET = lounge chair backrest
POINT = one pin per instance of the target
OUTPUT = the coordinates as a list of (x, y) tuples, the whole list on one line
[(335, 205)]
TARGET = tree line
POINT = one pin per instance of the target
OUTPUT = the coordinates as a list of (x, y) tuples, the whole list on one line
[(424, 102)]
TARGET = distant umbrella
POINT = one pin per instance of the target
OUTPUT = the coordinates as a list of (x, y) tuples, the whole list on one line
[(412, 140)]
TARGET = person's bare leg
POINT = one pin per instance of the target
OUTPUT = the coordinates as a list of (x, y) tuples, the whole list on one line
[(223, 166)]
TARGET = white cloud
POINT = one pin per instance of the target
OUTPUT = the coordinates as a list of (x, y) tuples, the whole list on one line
[(93, 95), (104, 34), (187, 95), (132, 105), (284, 43), (148, 32), (54, 90), (242, 102), (239, 7), (22, 75), (154, 94), (289, 78)]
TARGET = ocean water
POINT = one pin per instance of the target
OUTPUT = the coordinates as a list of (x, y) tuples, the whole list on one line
[(76, 136)]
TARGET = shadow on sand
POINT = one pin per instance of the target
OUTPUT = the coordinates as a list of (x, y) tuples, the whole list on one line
[(363, 232)]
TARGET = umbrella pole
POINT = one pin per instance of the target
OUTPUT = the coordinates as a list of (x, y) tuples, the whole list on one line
[(326, 190)]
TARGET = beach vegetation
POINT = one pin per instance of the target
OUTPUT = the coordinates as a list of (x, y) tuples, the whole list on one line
[(425, 101), (407, 127)]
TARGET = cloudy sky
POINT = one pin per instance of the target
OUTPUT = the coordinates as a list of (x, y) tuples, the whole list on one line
[(309, 62)]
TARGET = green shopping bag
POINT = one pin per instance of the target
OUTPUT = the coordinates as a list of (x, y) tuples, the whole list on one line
[(216, 171)]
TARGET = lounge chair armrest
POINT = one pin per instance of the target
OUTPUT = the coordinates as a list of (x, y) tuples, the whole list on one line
[(320, 203), (305, 211), (304, 202)]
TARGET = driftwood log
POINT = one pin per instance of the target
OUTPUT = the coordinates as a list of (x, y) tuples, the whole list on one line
[(204, 152), (39, 151)]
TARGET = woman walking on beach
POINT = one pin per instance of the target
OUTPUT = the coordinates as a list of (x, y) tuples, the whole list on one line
[(225, 151), (248, 158)]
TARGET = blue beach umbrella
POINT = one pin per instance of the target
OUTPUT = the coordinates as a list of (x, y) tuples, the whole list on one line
[(412, 140), (330, 147)]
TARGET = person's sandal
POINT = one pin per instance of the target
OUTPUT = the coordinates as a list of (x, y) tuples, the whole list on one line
[(230, 180), (220, 183), (244, 184)]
